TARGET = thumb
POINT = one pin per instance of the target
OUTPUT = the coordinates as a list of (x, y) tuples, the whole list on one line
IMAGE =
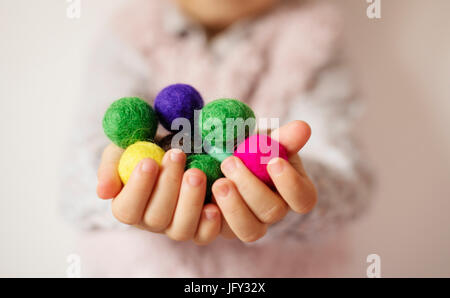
[(293, 136), (109, 183)]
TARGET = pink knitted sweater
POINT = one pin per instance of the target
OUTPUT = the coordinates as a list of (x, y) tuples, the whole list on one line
[(284, 64)]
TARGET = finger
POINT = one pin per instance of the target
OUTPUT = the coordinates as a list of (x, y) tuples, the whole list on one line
[(293, 136), (225, 229), (209, 226), (298, 191), (128, 207), (109, 183), (189, 206), (268, 206), (163, 201), (297, 164), (241, 220)]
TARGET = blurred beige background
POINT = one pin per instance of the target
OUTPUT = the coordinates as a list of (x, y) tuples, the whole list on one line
[(402, 63)]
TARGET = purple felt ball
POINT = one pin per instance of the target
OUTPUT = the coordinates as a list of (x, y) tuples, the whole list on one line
[(177, 101), (256, 152)]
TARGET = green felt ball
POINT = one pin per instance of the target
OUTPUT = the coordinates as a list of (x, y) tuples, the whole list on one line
[(218, 153), (209, 165), (225, 121), (129, 120)]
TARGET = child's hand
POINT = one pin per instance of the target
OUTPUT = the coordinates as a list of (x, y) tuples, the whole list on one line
[(166, 200), (248, 205), (160, 199)]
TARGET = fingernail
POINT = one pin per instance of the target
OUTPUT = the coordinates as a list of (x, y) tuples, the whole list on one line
[(222, 190), (210, 214), (229, 164), (146, 166), (176, 155), (194, 180), (275, 166)]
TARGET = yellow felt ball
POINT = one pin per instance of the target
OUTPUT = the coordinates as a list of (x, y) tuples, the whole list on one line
[(134, 154)]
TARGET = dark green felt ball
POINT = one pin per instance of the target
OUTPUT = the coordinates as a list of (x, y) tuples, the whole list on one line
[(231, 119), (209, 165), (128, 120)]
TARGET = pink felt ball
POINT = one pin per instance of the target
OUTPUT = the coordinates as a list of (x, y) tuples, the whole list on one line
[(256, 152)]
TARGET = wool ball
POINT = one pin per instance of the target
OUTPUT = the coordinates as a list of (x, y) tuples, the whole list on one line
[(134, 154), (256, 151), (209, 165), (217, 113), (177, 101), (129, 120), (218, 153)]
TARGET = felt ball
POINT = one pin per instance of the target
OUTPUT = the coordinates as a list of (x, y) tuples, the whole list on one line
[(177, 101), (256, 152), (218, 153), (129, 120), (209, 165), (217, 114), (134, 154)]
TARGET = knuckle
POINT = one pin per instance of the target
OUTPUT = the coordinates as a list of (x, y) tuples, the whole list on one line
[(156, 223), (254, 235), (125, 216), (180, 237), (202, 241), (206, 238), (274, 214)]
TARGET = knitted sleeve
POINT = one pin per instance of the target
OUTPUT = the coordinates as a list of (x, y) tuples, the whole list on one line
[(114, 71), (331, 157)]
